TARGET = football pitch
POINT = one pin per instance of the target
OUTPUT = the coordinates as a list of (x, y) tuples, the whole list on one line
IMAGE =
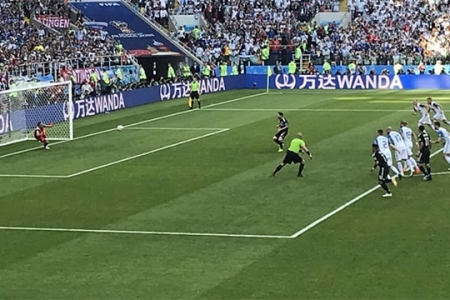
[(181, 205)]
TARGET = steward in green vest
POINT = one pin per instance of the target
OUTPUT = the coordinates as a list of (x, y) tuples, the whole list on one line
[(292, 67), (106, 83), (298, 53), (170, 72), (206, 71), (142, 74), (195, 93), (186, 71), (223, 69), (326, 68), (12, 86), (234, 70), (265, 53), (119, 75), (196, 32), (352, 68)]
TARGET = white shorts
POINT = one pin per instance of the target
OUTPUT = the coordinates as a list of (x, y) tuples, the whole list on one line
[(439, 116), (389, 159), (401, 155), (446, 149), (409, 151), (425, 120)]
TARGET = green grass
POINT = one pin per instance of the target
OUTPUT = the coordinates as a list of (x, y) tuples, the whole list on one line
[(214, 180)]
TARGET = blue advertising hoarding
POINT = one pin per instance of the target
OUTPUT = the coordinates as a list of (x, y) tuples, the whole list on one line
[(122, 23), (398, 82)]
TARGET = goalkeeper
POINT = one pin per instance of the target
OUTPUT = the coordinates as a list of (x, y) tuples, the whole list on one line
[(40, 134)]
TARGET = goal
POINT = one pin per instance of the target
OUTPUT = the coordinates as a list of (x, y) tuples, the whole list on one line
[(23, 106)]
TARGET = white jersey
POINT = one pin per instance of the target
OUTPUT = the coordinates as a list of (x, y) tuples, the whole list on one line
[(396, 139), (407, 135), (383, 145), (421, 109), (444, 135), (436, 108)]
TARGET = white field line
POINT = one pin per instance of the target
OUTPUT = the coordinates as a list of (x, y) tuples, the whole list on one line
[(173, 128), (146, 153), (32, 176), (342, 207), (309, 109), (135, 124), (129, 232)]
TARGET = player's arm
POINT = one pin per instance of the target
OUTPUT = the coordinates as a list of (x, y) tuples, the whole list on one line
[(284, 127), (375, 164), (439, 139), (306, 150), (49, 125)]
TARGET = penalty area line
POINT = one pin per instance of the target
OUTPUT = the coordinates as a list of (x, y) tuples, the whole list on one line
[(345, 205), (138, 232), (136, 124), (174, 128), (32, 176), (146, 153)]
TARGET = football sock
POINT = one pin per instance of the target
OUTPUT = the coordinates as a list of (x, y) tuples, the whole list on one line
[(385, 187), (413, 162), (446, 122), (394, 169), (429, 170), (199, 104), (279, 167), (423, 170), (300, 169), (447, 159), (400, 168)]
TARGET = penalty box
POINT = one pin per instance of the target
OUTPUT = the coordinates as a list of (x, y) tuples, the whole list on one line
[(84, 156)]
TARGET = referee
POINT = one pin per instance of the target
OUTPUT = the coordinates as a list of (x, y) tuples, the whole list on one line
[(195, 87), (293, 155)]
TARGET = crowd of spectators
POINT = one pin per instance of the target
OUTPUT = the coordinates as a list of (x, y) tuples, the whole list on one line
[(25, 46), (382, 32)]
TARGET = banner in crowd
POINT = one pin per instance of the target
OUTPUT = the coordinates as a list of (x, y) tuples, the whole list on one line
[(127, 26), (130, 73), (399, 82), (54, 21)]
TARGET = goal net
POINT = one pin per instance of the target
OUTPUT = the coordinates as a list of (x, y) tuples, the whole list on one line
[(23, 107)]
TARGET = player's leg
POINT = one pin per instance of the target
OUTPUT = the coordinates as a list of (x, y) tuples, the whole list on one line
[(287, 160), (399, 160), (43, 139), (446, 152), (382, 178), (198, 100), (301, 167), (392, 167), (278, 139), (425, 167)]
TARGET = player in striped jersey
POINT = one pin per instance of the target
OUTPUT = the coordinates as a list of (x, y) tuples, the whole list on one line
[(424, 145), (410, 138), (383, 145), (443, 135), (423, 110), (439, 114)]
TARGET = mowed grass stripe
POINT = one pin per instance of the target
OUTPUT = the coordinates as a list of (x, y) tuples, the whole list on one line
[(139, 266)]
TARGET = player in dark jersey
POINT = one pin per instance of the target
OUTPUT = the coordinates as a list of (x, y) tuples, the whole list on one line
[(424, 145), (40, 134), (383, 173), (283, 127)]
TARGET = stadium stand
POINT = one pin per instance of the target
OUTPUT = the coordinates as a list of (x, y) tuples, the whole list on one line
[(28, 48)]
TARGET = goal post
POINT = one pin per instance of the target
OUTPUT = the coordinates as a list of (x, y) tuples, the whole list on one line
[(23, 107)]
